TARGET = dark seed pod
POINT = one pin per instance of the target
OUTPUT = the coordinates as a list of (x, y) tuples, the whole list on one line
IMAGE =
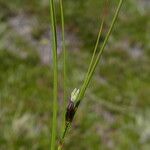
[(70, 111)]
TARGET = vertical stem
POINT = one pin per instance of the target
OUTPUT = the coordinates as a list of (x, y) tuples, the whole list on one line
[(94, 64), (95, 48), (81, 95), (93, 56), (55, 74), (64, 62)]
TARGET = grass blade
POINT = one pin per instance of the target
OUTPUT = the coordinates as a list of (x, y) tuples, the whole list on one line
[(87, 80), (55, 74), (82, 92), (96, 46), (93, 56), (64, 63)]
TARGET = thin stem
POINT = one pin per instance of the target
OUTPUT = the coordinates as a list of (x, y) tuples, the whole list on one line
[(55, 73), (81, 95), (66, 127), (82, 91), (93, 56), (64, 63), (95, 48)]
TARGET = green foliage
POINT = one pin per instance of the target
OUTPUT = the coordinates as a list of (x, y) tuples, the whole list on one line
[(24, 92), (115, 113), (55, 75)]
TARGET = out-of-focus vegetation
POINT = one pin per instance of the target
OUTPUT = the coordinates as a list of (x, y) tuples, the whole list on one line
[(115, 113)]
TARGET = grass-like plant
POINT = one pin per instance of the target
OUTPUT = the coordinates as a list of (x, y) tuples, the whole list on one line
[(64, 63), (55, 74), (77, 95)]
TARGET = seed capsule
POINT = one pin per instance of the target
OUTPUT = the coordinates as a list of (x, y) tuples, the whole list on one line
[(70, 111)]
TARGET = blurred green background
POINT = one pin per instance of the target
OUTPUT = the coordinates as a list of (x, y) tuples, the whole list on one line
[(115, 113)]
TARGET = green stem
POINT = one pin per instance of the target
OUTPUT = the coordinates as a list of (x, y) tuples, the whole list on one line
[(65, 128), (93, 56), (67, 125), (82, 92), (96, 46), (55, 74), (64, 63), (95, 49), (92, 70)]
